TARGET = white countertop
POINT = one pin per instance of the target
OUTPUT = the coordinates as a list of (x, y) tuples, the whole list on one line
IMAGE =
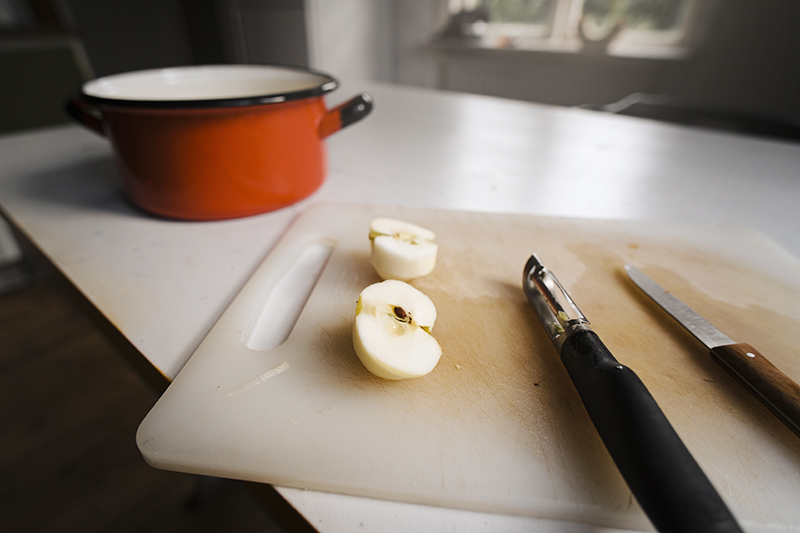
[(164, 283)]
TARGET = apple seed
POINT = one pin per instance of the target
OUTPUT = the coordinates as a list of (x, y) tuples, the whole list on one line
[(401, 315)]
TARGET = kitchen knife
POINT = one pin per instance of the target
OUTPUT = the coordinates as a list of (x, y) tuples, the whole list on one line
[(764, 380), (666, 480)]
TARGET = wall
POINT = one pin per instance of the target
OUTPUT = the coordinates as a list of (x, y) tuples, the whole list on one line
[(748, 61), (123, 35), (417, 22), (265, 31), (127, 35), (353, 39)]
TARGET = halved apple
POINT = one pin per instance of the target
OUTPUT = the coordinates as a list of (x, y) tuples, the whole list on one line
[(401, 250), (392, 331)]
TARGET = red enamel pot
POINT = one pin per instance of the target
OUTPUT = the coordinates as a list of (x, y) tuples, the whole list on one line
[(216, 142)]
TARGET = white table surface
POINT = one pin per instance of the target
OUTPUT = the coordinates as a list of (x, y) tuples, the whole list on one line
[(164, 283)]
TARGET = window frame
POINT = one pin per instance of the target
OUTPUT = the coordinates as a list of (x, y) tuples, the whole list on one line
[(564, 35)]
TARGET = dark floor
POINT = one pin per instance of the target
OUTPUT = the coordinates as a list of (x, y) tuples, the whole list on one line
[(69, 409)]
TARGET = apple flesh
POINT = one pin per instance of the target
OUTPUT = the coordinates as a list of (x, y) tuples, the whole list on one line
[(401, 250), (392, 331)]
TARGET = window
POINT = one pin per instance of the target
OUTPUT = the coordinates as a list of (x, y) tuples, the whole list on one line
[(613, 26)]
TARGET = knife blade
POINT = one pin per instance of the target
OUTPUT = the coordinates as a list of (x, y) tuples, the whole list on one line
[(662, 474), (777, 391)]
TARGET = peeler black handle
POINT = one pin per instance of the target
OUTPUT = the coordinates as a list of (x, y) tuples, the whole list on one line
[(666, 480)]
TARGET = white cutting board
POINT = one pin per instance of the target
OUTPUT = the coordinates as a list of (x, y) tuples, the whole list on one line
[(497, 426)]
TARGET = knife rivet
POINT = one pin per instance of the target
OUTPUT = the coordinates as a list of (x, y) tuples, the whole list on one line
[(748, 354)]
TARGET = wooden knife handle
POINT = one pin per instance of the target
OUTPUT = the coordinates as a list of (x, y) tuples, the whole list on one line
[(764, 380)]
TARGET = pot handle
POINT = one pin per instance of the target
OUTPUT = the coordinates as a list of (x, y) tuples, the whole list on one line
[(87, 114), (345, 114)]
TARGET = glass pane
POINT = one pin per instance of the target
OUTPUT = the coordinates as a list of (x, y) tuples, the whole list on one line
[(650, 15), (535, 12)]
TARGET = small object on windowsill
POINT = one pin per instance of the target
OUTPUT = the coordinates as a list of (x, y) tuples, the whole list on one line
[(600, 45), (466, 25)]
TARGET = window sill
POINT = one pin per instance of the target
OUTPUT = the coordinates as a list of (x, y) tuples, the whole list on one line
[(478, 47)]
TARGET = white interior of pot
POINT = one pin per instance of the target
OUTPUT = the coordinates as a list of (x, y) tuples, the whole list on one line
[(204, 83)]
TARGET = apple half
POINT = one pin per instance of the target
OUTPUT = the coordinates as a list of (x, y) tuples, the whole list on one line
[(401, 250), (392, 331)]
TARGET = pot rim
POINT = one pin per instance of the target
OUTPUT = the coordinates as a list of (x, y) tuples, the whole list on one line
[(92, 90)]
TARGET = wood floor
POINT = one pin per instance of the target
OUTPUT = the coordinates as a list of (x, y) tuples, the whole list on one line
[(69, 409)]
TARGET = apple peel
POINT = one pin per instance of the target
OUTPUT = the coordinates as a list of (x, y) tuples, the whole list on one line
[(392, 331)]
